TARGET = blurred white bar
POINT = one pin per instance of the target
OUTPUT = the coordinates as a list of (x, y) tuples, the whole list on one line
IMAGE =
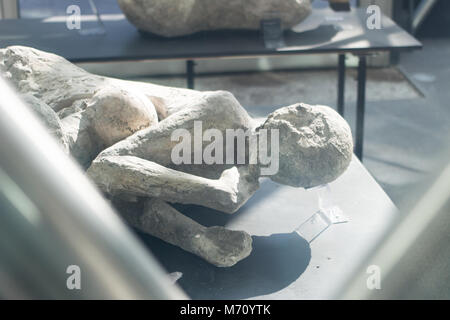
[(84, 222)]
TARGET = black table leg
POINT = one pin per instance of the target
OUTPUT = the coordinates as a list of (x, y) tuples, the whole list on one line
[(341, 84), (190, 73), (361, 105)]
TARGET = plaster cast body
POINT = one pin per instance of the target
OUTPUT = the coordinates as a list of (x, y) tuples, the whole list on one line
[(121, 131), (172, 18)]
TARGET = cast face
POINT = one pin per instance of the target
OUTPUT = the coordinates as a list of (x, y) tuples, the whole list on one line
[(315, 145)]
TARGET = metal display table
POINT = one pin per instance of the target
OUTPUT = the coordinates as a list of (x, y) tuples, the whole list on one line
[(339, 33), (283, 264)]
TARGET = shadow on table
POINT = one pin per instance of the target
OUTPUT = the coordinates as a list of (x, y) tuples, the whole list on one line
[(275, 262), (209, 217)]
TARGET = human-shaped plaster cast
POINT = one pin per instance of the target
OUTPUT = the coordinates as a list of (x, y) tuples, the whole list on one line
[(122, 132)]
